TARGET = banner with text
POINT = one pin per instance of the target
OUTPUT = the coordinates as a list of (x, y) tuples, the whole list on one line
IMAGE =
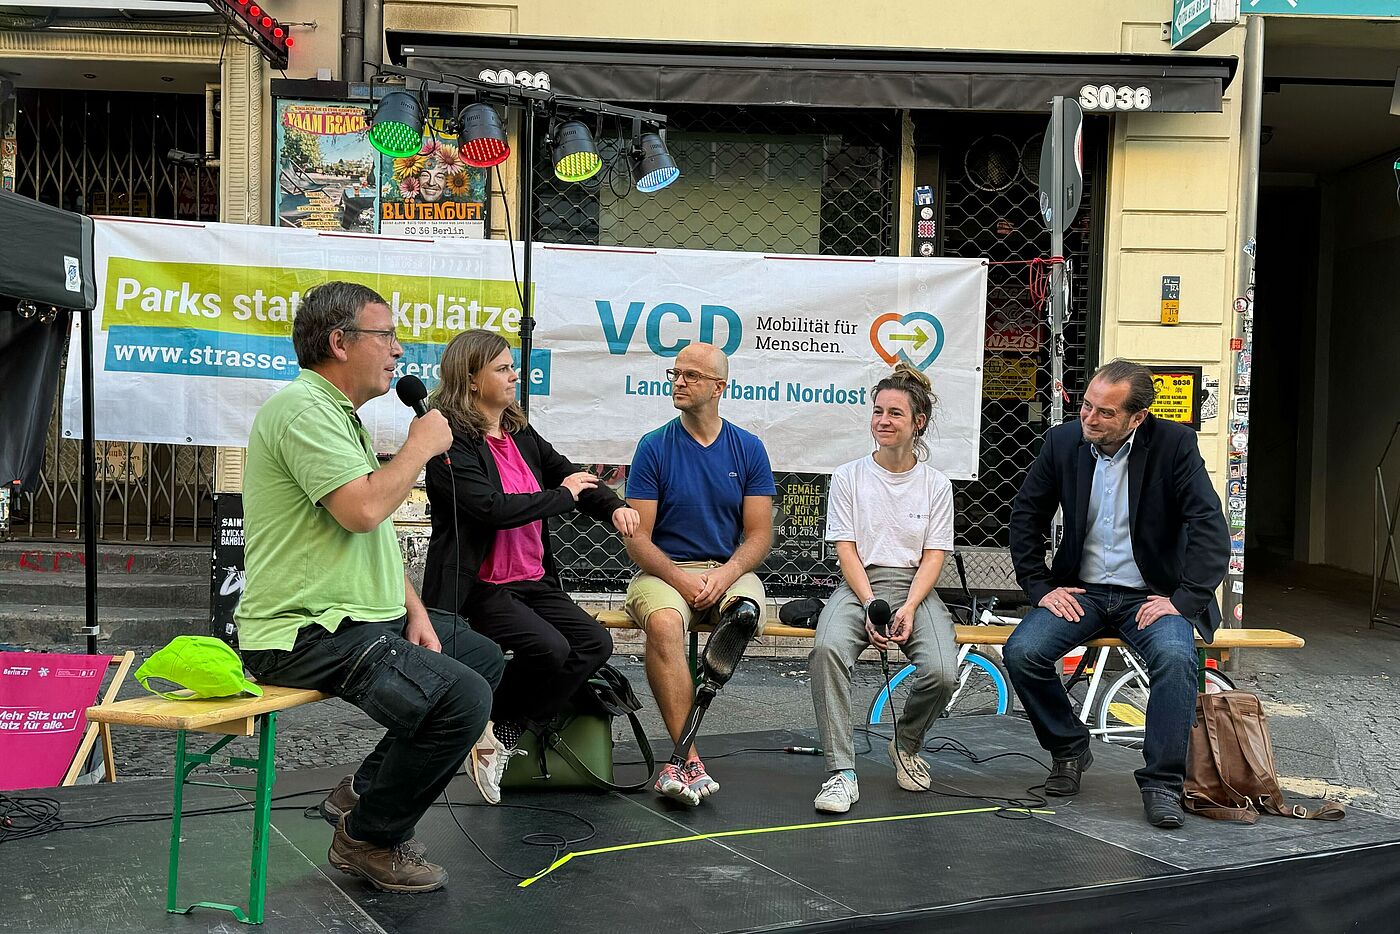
[(194, 333), (43, 704)]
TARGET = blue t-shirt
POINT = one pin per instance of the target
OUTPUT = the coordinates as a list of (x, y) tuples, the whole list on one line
[(699, 491)]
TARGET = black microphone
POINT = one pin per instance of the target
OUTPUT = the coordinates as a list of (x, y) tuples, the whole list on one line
[(878, 612), (414, 394)]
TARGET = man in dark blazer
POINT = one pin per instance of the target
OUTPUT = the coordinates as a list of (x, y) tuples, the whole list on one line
[(1144, 547)]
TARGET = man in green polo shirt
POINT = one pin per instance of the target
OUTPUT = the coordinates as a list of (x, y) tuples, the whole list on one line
[(326, 604)]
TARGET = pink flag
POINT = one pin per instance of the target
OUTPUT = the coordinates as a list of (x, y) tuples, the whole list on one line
[(42, 703)]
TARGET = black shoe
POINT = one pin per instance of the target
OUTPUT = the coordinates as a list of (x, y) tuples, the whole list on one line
[(1064, 775), (1163, 808)]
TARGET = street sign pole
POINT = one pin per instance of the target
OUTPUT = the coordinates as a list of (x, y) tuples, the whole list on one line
[(1057, 264)]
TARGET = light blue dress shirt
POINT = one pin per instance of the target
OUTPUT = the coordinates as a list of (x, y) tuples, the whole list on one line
[(1108, 541)]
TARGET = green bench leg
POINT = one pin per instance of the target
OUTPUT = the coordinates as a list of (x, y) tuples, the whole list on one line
[(185, 763)]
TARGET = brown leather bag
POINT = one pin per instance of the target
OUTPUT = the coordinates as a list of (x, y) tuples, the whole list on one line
[(1230, 772)]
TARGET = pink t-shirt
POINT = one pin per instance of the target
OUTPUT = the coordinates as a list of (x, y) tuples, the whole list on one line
[(517, 554)]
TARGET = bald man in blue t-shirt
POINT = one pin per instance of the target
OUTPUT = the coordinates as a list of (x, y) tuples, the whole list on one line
[(704, 490)]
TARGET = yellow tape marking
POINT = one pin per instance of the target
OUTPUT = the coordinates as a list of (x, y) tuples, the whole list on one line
[(696, 838)]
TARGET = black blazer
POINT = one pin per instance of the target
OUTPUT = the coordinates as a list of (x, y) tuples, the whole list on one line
[(1180, 540), (483, 508)]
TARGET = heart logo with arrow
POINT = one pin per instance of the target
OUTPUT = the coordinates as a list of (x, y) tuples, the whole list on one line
[(915, 337)]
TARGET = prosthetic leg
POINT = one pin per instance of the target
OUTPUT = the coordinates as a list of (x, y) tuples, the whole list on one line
[(739, 621)]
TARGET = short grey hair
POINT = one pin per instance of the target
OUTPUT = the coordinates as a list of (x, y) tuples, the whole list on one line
[(331, 306), (1141, 390)]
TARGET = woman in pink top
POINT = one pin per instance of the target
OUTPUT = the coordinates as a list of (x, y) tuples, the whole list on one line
[(492, 563)]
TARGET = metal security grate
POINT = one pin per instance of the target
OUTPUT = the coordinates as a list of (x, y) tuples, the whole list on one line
[(105, 153), (991, 170), (825, 182)]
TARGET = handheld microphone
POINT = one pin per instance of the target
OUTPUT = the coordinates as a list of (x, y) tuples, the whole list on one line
[(878, 612), (414, 394), (803, 750)]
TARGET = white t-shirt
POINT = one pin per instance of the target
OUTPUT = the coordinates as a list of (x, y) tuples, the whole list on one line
[(892, 517)]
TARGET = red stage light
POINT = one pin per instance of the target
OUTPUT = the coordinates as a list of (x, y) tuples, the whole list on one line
[(290, 43), (278, 32), (255, 10), (266, 21)]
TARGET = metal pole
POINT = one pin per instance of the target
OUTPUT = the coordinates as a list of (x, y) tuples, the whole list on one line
[(352, 39), (527, 236), (1251, 108), (1057, 265), (85, 324)]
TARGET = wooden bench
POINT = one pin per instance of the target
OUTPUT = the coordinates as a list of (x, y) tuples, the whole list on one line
[(997, 635), (229, 717), (1225, 639)]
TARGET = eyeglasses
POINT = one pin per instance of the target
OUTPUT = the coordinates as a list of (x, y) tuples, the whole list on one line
[(388, 334), (690, 376)]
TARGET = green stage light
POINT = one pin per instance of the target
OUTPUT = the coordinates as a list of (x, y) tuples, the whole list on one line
[(574, 153), (397, 127)]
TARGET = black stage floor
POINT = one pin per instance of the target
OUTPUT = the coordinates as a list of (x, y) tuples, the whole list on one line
[(897, 861)]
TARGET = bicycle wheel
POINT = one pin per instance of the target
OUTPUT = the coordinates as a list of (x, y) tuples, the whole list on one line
[(982, 688), (1121, 716)]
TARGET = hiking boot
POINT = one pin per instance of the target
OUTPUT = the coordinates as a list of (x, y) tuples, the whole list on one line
[(399, 868), (909, 770), (694, 775), (340, 801), (837, 794), (1163, 808), (1064, 775), (671, 783)]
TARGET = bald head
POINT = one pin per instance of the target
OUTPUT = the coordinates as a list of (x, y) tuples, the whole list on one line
[(704, 357)]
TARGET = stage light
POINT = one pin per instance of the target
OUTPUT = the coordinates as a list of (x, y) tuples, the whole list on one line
[(574, 153), (652, 166), (397, 127), (482, 140)]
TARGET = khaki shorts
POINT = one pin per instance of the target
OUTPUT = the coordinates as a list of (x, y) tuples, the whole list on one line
[(647, 594)]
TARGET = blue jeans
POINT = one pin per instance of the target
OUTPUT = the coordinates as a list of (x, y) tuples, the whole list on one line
[(1167, 647)]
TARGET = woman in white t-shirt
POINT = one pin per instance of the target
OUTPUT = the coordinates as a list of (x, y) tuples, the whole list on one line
[(890, 516)]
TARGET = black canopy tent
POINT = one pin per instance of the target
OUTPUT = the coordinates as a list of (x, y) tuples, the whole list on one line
[(47, 270)]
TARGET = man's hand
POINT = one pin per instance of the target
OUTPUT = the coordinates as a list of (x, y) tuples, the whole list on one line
[(689, 585), (902, 625), (1062, 603), (1153, 609), (420, 631), (717, 582), (576, 483), (626, 520), (429, 435)]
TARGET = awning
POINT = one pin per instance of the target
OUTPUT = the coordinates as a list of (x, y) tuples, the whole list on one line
[(822, 76)]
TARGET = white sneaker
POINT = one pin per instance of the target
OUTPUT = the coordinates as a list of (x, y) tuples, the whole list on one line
[(909, 770), (838, 794), (489, 760)]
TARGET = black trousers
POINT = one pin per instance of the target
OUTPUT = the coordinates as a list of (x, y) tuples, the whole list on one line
[(434, 706), (557, 646)]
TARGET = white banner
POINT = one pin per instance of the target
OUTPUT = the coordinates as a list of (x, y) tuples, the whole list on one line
[(194, 324)]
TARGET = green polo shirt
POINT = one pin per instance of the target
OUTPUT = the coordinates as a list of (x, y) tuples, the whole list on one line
[(302, 566)]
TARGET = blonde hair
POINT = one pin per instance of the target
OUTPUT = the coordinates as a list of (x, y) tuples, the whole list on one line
[(466, 355), (914, 384)]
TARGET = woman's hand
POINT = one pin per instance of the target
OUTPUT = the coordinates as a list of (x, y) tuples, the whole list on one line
[(902, 624), (576, 483), (626, 520)]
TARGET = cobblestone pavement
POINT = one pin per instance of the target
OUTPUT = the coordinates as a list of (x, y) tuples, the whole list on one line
[(1334, 707)]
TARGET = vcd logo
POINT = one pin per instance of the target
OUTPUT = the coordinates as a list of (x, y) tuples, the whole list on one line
[(524, 79), (676, 318)]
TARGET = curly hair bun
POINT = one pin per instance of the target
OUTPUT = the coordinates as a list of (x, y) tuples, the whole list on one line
[(904, 372)]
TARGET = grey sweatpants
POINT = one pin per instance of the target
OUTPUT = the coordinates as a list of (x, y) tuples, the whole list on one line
[(841, 638)]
